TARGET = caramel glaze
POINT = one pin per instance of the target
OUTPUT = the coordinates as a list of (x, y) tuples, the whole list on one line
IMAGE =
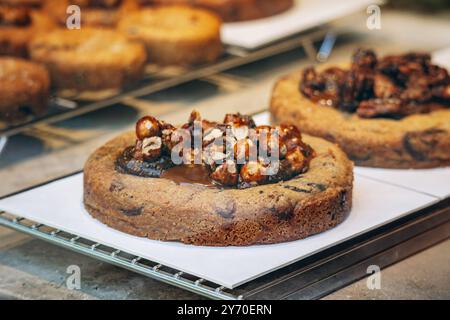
[(164, 168)]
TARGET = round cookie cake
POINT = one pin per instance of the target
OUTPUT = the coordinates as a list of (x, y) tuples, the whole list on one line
[(89, 59), (131, 185), (234, 10), (391, 112), (94, 13), (175, 35), (24, 89), (18, 26)]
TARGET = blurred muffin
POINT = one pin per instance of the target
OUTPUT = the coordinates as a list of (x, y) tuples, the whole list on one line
[(89, 59), (24, 89), (23, 3), (175, 35), (18, 25), (94, 13), (233, 10)]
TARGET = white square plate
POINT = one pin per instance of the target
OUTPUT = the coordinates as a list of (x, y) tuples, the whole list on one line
[(305, 15), (434, 182), (59, 205)]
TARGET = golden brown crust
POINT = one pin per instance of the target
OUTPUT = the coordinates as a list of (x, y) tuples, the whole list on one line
[(162, 210), (234, 10), (89, 59), (24, 89), (14, 40), (175, 35), (416, 141)]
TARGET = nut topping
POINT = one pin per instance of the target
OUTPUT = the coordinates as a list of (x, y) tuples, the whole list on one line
[(236, 153), (151, 148), (147, 127), (393, 86)]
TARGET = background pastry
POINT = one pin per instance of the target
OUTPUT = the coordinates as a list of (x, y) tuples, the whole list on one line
[(175, 35), (384, 112), (18, 25), (24, 89), (98, 13), (234, 10), (89, 59)]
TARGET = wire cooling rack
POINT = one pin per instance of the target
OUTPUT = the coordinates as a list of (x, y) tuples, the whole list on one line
[(311, 278), (63, 108)]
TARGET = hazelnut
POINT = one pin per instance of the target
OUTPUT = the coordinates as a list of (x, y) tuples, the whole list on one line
[(239, 119), (253, 172), (151, 148), (244, 150), (147, 127), (240, 132), (194, 117), (211, 135), (214, 154), (272, 145), (226, 174), (296, 160)]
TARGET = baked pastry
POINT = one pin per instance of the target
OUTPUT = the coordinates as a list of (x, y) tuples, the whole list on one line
[(94, 13), (89, 59), (387, 112), (18, 25), (23, 3), (24, 89), (218, 184), (175, 35), (234, 10)]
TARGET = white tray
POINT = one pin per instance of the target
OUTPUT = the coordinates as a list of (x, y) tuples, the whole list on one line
[(305, 15), (59, 205)]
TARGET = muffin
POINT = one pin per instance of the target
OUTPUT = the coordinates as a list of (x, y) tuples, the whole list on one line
[(94, 13), (175, 35), (18, 25), (390, 112), (24, 89), (89, 59), (234, 10)]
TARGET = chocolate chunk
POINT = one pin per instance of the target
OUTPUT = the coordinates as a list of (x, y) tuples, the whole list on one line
[(420, 143), (132, 212), (318, 186), (297, 189), (116, 186)]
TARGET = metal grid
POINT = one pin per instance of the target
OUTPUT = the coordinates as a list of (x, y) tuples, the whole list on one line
[(117, 257), (310, 278), (63, 108)]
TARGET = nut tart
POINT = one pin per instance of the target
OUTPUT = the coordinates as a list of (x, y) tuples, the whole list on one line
[(234, 10), (24, 89), (390, 112), (18, 25), (89, 59), (232, 184), (175, 35)]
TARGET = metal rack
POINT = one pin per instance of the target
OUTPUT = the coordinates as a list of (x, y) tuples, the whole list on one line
[(310, 278), (63, 108)]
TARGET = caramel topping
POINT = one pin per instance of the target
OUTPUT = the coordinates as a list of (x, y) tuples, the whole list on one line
[(235, 153), (190, 175), (14, 16), (393, 86)]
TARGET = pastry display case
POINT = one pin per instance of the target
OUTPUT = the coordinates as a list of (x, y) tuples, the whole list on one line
[(325, 163)]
